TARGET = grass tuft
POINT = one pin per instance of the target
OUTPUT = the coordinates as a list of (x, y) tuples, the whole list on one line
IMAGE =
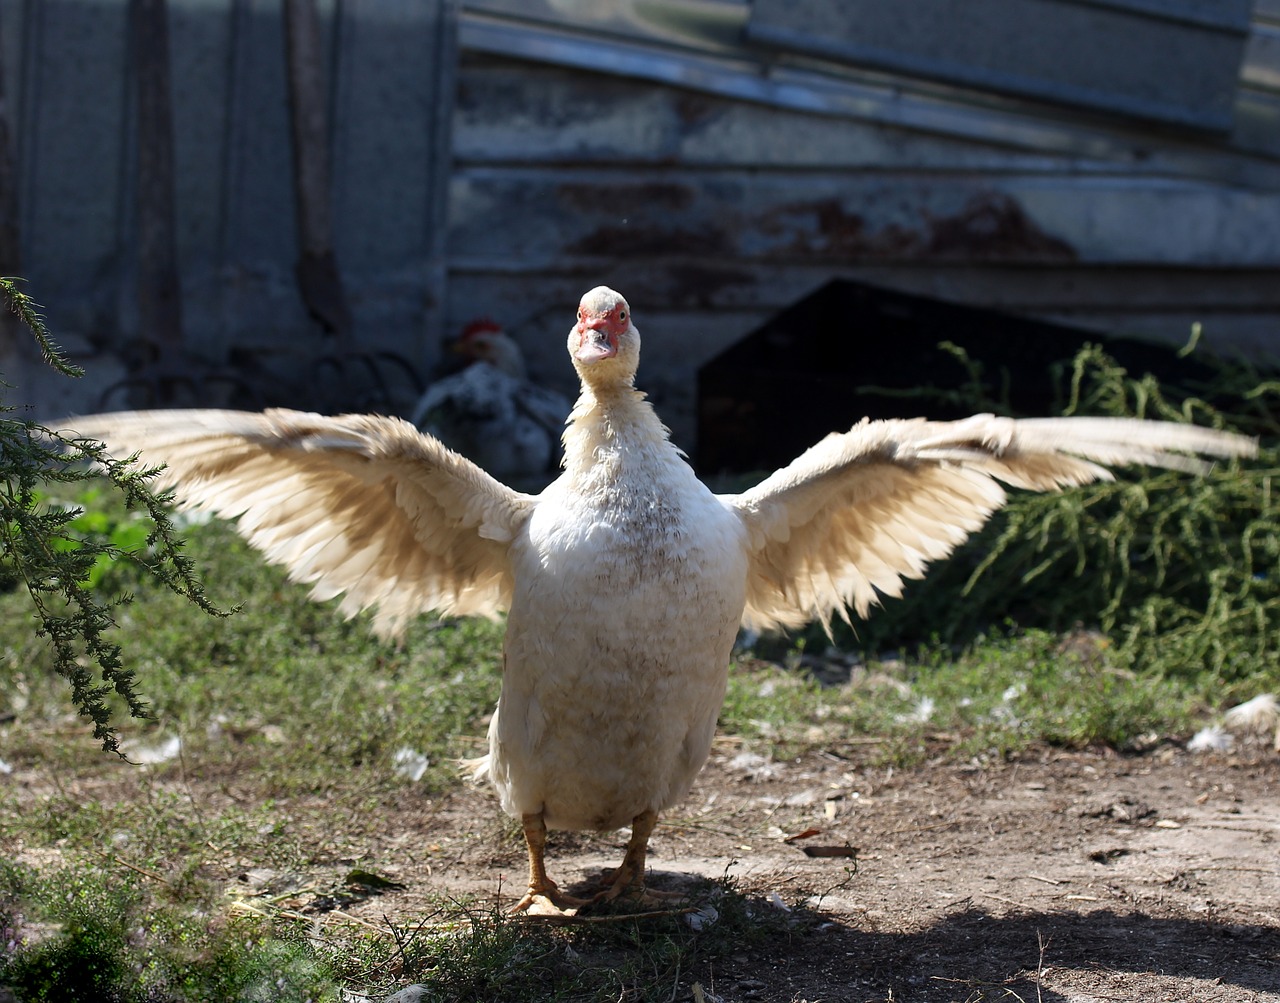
[(82, 934)]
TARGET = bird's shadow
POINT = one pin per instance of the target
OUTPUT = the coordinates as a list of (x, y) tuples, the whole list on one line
[(973, 951), (973, 948)]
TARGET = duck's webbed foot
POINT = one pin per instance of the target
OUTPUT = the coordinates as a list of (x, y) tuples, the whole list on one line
[(549, 900), (543, 898), (627, 882)]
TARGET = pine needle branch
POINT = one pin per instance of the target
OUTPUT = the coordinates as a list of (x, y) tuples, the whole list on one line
[(28, 311), (40, 547)]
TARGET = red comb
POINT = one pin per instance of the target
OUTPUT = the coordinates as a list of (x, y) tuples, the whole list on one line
[(481, 325)]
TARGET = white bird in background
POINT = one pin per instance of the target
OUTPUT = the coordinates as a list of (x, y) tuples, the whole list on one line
[(491, 412), (626, 579)]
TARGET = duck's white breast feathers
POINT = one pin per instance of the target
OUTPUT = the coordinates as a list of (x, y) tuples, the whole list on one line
[(630, 587)]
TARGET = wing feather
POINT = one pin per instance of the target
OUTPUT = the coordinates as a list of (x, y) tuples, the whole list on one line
[(851, 518), (362, 506)]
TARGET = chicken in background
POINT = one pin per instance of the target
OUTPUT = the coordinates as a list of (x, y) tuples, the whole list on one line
[(492, 413)]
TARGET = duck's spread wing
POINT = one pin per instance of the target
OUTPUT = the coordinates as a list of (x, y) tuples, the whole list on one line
[(859, 512), (359, 505)]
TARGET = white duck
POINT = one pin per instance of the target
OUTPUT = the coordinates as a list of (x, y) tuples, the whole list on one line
[(491, 412), (626, 579)]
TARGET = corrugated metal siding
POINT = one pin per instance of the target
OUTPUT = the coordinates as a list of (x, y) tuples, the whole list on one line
[(389, 65), (1258, 102), (715, 190), (1174, 61), (709, 62), (712, 180)]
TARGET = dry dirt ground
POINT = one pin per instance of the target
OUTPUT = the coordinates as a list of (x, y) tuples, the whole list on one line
[(1062, 877)]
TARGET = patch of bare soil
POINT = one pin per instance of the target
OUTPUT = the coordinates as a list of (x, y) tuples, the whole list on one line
[(1068, 877), (1063, 876)]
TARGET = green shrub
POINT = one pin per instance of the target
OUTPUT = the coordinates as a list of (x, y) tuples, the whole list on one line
[(81, 934), (1180, 570)]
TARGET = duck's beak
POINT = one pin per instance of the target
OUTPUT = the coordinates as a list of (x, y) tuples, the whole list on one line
[(596, 340)]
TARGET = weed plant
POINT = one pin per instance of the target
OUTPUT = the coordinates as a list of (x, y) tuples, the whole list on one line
[(1179, 571), (81, 934)]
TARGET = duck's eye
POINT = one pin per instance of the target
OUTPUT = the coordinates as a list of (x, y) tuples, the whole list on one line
[(622, 315)]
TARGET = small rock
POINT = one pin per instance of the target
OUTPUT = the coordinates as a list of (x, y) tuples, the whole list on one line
[(258, 877), (702, 918), (1121, 807)]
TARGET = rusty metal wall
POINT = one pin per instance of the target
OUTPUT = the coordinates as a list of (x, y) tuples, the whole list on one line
[(712, 212), (712, 180)]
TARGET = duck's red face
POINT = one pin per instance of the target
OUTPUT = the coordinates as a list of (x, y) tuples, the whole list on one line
[(602, 321)]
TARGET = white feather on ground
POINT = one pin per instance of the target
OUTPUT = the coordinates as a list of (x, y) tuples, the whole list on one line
[(626, 579), (1257, 716), (1211, 738)]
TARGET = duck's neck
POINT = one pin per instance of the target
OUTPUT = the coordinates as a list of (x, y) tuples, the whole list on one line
[(608, 422)]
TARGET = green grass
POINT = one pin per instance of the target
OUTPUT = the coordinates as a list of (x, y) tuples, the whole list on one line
[(298, 715), (285, 676), (1004, 693), (88, 935)]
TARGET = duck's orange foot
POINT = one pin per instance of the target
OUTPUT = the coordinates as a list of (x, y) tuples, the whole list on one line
[(626, 884), (636, 894), (548, 900)]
